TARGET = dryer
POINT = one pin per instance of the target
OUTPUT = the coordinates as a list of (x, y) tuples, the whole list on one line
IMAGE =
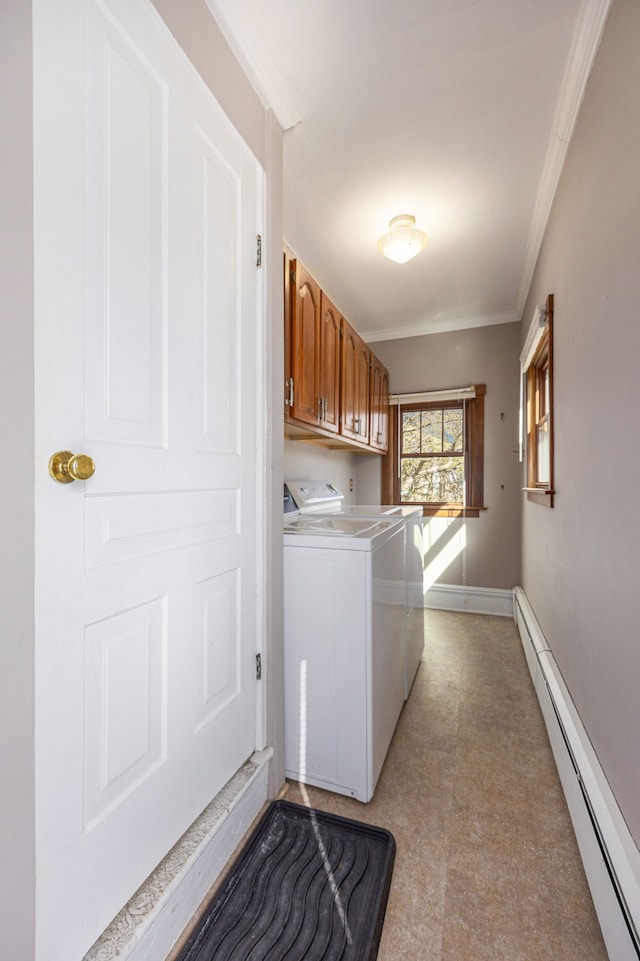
[(344, 648), (311, 497)]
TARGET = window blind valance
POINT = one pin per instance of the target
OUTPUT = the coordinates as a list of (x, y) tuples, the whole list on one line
[(536, 330), (429, 396)]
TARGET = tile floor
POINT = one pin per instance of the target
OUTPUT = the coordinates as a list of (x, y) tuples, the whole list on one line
[(487, 867)]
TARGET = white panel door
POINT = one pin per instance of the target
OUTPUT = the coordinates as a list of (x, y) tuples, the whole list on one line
[(149, 350)]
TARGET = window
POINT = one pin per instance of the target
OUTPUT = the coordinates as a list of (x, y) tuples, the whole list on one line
[(431, 455), (537, 371), (436, 453)]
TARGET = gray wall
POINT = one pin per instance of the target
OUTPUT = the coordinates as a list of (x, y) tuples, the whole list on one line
[(310, 462), (580, 559), (196, 31), (17, 846), (482, 552)]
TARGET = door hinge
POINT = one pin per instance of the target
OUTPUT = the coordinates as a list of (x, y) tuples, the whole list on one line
[(289, 400), (258, 667), (258, 250)]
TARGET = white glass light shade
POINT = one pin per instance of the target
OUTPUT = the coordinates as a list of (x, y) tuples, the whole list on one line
[(404, 240)]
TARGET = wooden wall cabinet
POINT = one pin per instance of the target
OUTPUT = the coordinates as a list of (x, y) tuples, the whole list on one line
[(303, 368), (329, 377), (336, 390), (379, 405), (312, 352), (354, 385)]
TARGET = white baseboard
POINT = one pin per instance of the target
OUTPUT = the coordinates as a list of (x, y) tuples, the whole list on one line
[(149, 926), (610, 856), (472, 600)]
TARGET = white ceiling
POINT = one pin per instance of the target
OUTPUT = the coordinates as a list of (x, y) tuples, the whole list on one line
[(456, 111)]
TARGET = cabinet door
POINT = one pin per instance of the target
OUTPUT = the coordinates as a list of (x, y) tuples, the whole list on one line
[(354, 385), (305, 345), (330, 323), (379, 405), (363, 365)]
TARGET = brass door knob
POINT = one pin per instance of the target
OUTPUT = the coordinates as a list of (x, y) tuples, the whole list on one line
[(66, 467)]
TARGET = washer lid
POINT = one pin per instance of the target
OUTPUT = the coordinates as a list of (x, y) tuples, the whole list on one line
[(336, 524), (336, 531), (385, 510)]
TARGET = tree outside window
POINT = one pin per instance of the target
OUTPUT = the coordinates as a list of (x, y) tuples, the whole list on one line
[(432, 457)]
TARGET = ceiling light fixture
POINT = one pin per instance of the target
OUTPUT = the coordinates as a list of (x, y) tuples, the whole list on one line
[(404, 240)]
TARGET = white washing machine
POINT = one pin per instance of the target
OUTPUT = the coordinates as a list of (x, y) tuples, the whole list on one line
[(310, 497), (344, 648)]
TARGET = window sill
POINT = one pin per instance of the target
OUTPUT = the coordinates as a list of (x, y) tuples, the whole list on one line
[(450, 511), (540, 495)]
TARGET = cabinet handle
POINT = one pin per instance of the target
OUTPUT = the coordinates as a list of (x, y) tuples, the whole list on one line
[(289, 383), (324, 408), (356, 424)]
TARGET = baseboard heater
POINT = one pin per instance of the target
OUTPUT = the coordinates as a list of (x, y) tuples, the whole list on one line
[(609, 854)]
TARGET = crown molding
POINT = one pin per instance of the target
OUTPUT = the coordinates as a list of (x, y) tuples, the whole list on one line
[(439, 327), (586, 40), (240, 25)]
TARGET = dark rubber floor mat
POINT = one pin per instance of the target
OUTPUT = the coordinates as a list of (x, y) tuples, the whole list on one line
[(308, 886)]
